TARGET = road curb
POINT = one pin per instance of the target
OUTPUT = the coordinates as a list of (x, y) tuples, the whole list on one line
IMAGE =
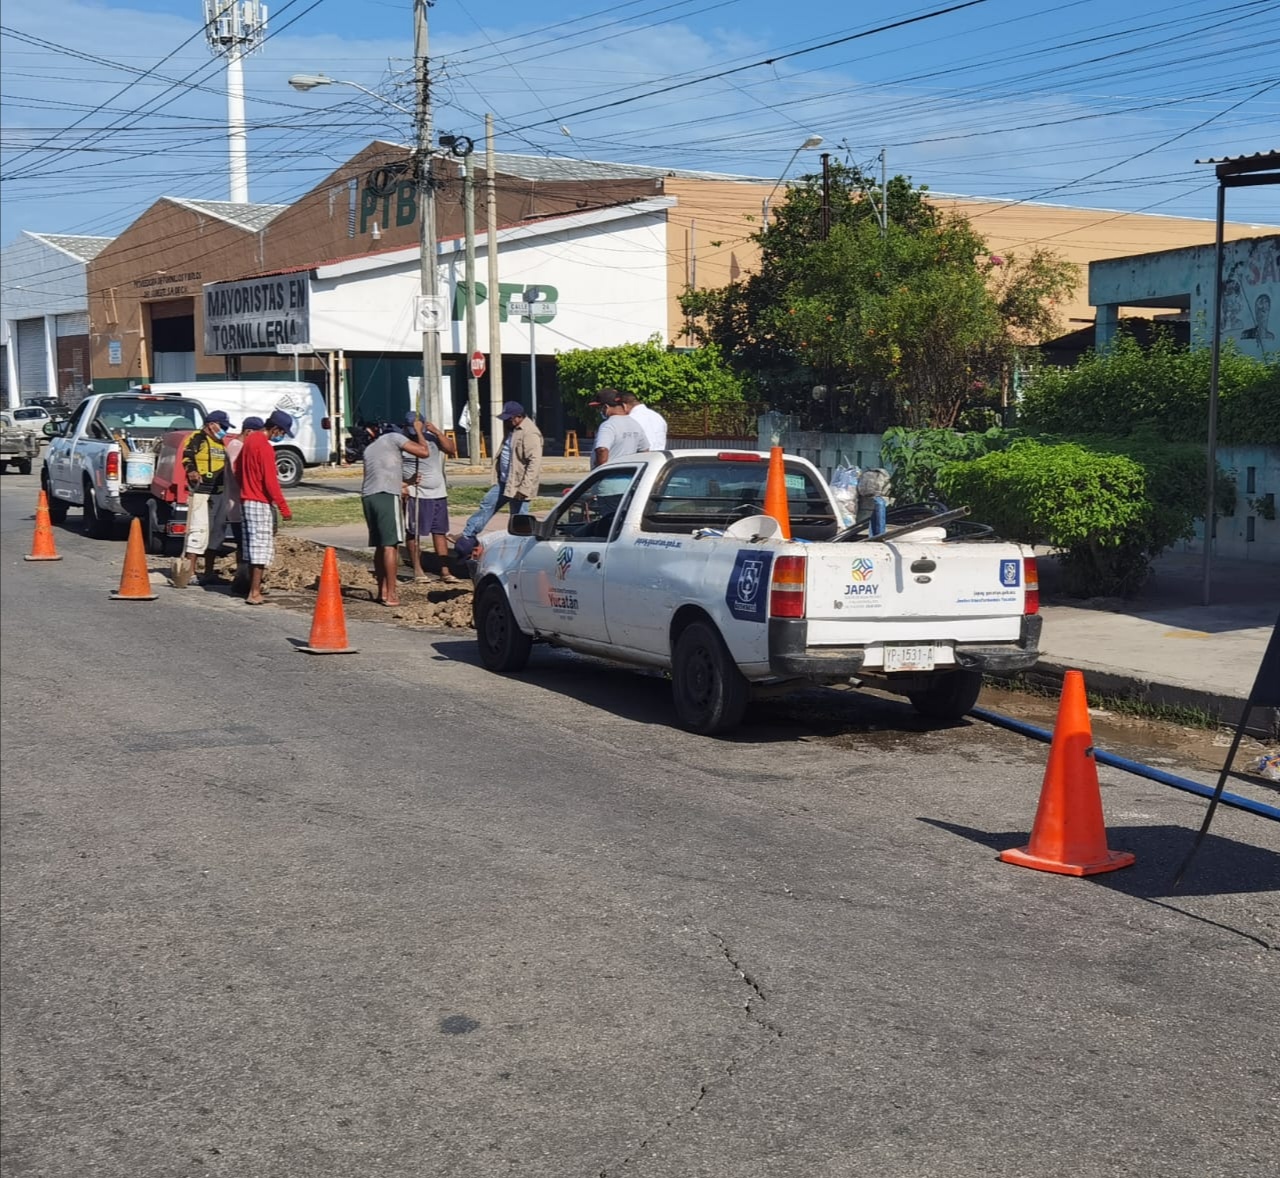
[(1223, 708)]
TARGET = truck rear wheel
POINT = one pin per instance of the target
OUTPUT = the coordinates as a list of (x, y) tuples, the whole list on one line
[(97, 523), (949, 697), (709, 692), (289, 467)]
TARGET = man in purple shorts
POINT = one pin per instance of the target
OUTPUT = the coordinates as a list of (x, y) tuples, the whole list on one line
[(427, 498)]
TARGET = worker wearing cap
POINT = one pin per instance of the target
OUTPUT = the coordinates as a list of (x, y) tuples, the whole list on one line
[(260, 495), (618, 436), (517, 475), (204, 459)]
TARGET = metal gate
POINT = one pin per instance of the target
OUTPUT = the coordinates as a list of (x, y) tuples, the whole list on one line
[(33, 369)]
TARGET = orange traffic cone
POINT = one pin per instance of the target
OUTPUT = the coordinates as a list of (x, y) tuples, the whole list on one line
[(1069, 836), (329, 622), (775, 493), (42, 546), (135, 582)]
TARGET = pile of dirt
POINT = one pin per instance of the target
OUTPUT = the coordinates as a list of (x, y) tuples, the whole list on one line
[(294, 577)]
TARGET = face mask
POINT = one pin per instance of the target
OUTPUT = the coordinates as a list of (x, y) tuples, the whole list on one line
[(220, 434)]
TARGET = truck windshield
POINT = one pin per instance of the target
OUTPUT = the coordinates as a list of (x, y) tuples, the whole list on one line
[(712, 493), (149, 417)]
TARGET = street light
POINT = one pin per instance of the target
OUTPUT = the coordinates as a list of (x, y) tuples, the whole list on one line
[(304, 82), (430, 313), (811, 142)]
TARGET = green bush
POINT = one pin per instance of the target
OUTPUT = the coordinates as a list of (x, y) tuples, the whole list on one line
[(660, 377), (1162, 389), (1092, 506), (916, 456)]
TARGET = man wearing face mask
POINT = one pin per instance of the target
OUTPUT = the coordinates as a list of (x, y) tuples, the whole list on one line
[(260, 494), (204, 460)]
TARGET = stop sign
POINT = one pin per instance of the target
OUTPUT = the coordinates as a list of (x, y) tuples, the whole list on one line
[(477, 364)]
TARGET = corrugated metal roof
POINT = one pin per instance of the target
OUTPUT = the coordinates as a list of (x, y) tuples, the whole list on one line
[(1256, 157), (83, 248), (536, 167), (250, 217)]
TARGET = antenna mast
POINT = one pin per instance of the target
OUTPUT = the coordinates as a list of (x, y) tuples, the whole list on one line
[(234, 29)]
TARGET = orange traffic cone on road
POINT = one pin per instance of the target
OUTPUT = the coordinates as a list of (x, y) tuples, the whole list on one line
[(135, 582), (329, 621), (42, 546), (775, 493), (1069, 836)]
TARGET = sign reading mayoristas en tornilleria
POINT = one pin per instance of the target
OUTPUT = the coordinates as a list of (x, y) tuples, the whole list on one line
[(255, 314)]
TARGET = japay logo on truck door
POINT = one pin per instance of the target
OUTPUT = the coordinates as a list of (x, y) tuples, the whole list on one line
[(1011, 573), (748, 590)]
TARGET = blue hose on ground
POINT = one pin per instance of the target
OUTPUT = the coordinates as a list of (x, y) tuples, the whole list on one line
[(1135, 767)]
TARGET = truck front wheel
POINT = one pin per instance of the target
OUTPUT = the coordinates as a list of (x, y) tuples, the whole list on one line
[(949, 697), (503, 645), (57, 507), (709, 691), (24, 465)]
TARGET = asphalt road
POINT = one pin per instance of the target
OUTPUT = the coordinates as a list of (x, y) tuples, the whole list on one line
[(388, 914)]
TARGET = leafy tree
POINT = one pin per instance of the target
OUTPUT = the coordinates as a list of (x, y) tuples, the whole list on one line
[(659, 376), (908, 326)]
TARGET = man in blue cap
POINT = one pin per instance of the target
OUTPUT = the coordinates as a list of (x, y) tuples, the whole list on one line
[(517, 475)]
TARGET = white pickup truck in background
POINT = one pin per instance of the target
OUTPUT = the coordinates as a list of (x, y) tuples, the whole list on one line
[(666, 560), (103, 458)]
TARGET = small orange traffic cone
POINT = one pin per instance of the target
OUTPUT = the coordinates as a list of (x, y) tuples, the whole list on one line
[(775, 493), (135, 582), (42, 546), (328, 622), (1069, 836)]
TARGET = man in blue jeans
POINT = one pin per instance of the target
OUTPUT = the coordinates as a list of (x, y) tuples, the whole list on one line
[(517, 473)]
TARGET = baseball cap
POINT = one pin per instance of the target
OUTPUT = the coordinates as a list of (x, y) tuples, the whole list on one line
[(253, 423), (465, 545), (411, 417), (219, 417), (511, 409), (606, 397), (279, 419)]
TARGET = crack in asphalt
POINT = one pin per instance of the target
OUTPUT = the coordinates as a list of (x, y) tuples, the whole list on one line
[(756, 998)]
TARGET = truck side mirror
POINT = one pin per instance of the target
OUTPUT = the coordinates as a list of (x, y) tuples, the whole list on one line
[(523, 525)]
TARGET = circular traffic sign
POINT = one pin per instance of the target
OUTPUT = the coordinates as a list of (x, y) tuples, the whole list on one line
[(477, 364)]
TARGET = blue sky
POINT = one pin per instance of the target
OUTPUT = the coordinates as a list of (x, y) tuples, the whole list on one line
[(1098, 103)]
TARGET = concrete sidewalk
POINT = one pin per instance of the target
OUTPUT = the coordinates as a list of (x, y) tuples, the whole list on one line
[(1161, 648)]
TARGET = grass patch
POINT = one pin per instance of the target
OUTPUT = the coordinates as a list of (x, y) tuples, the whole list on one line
[(1121, 705), (332, 511)]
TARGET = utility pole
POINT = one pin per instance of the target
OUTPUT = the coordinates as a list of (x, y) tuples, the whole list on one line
[(469, 229), (884, 195), (430, 313), (495, 295), (826, 195)]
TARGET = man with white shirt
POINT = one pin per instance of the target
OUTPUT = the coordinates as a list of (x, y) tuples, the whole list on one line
[(649, 420)]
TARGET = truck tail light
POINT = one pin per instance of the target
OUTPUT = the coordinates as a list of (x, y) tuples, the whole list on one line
[(113, 464), (1031, 579), (787, 597)]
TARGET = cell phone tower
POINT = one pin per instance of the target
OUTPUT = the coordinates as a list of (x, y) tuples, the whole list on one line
[(234, 29)]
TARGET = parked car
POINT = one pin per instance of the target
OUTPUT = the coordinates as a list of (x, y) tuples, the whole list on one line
[(35, 418)]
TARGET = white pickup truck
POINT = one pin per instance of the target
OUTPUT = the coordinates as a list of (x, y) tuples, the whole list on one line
[(102, 459), (666, 560)]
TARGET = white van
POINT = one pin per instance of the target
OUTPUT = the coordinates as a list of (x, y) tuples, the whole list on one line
[(311, 444)]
